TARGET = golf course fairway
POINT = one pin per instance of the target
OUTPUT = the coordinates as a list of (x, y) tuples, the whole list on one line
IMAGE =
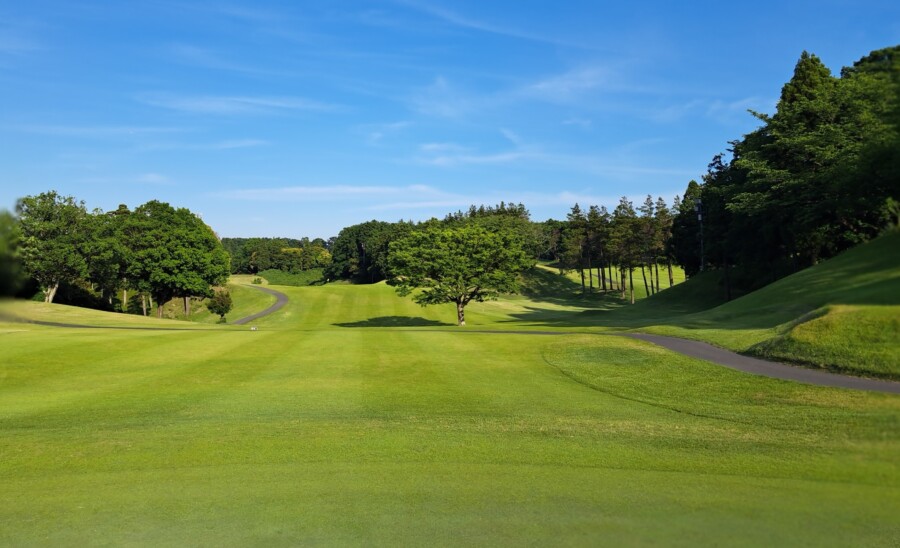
[(354, 417)]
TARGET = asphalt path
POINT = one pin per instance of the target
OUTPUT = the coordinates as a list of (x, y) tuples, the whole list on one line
[(280, 300), (756, 366)]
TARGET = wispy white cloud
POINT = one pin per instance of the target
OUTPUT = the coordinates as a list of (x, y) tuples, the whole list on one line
[(624, 162), (722, 111), (675, 112), (441, 99), (726, 111), (512, 137), (153, 179), (210, 59), (220, 145), (140, 179), (583, 82), (571, 83), (212, 104), (462, 21), (248, 14), (94, 132), (438, 148), (375, 133), (14, 43), (583, 87), (319, 192), (583, 123)]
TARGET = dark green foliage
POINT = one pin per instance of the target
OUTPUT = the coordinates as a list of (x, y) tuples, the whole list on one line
[(252, 255), (360, 252), (10, 268), (175, 254), (220, 303), (815, 179), (457, 265), (107, 251), (312, 276), (536, 239), (54, 231)]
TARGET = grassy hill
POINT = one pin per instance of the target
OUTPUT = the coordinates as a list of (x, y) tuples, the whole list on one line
[(841, 314)]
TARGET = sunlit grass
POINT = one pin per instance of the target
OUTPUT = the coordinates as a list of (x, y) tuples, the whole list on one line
[(353, 416)]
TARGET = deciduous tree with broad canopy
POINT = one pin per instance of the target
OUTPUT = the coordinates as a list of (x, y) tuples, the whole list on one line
[(456, 265), (175, 254), (53, 233)]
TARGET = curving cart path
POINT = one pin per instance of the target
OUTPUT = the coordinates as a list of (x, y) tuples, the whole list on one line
[(280, 300), (756, 366)]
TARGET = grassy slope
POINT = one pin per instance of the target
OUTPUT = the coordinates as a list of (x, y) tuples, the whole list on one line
[(324, 427), (247, 301), (841, 314)]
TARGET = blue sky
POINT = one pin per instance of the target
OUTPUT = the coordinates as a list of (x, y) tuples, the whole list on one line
[(300, 118)]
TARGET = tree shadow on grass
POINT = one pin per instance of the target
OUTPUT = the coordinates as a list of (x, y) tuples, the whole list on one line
[(395, 321)]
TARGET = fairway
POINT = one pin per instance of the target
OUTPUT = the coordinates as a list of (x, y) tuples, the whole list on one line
[(352, 416)]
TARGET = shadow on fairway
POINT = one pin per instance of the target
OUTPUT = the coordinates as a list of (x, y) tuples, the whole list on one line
[(395, 321)]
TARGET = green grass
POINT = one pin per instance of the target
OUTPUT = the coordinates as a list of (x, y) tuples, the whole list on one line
[(354, 417), (859, 339), (840, 314), (246, 298)]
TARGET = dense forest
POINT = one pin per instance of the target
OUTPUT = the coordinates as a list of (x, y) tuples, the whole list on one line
[(818, 176)]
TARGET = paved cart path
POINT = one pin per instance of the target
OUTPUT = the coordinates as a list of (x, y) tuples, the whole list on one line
[(756, 366), (280, 300)]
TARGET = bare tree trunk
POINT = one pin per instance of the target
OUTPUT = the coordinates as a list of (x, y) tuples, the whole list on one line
[(581, 271), (671, 276), (727, 281), (602, 275), (144, 304), (187, 307), (644, 274), (656, 267), (631, 283), (622, 285), (50, 293), (124, 300), (460, 314), (591, 278)]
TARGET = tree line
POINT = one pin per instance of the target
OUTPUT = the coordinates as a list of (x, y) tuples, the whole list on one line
[(155, 252), (820, 175), (254, 255)]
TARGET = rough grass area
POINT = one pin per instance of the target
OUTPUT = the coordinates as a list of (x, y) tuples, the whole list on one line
[(864, 340), (858, 292)]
